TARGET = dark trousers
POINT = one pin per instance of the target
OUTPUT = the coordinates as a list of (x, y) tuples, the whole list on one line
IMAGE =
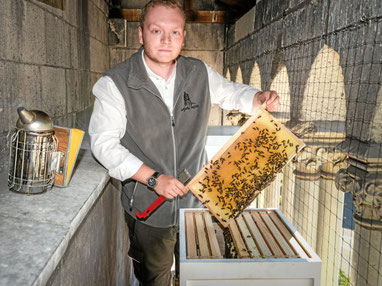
[(152, 250)]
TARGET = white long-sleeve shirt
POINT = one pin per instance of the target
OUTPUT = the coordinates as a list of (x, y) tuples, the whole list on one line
[(108, 121)]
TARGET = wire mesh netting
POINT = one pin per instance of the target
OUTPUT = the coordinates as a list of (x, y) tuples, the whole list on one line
[(331, 91)]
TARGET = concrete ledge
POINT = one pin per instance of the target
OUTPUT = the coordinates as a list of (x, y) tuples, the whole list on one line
[(36, 229)]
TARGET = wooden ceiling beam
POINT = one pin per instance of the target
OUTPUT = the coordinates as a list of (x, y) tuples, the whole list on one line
[(132, 15), (216, 17)]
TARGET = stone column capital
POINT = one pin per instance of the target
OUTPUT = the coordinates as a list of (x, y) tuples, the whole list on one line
[(308, 163), (363, 178), (332, 162), (346, 183), (367, 195)]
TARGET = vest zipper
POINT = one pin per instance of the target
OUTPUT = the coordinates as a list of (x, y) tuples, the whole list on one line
[(175, 157), (175, 172), (174, 148)]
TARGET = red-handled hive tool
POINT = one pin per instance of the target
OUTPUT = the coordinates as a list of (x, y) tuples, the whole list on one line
[(183, 177)]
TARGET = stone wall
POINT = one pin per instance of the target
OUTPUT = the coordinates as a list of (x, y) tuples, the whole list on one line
[(198, 43), (49, 60), (96, 254)]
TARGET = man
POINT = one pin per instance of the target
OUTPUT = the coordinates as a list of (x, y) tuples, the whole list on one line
[(150, 122)]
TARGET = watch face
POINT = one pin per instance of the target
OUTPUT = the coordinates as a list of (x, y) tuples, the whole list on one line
[(151, 182)]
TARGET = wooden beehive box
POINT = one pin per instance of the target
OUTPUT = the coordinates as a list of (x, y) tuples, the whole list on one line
[(269, 251)]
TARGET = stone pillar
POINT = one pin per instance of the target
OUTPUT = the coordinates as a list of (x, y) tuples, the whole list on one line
[(287, 194), (330, 216), (305, 212), (363, 179)]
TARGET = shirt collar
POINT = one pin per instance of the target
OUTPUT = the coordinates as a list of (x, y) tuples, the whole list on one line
[(154, 75)]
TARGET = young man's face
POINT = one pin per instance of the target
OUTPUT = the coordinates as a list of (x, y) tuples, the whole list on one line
[(163, 34)]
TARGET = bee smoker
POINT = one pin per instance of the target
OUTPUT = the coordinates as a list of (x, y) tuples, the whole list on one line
[(32, 150)]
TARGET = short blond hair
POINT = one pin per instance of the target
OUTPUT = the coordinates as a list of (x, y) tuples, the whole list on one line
[(167, 3)]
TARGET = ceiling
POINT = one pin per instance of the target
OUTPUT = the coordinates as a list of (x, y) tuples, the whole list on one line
[(223, 11), (240, 6)]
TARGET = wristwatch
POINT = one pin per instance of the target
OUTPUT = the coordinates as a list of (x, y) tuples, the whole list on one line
[(153, 180)]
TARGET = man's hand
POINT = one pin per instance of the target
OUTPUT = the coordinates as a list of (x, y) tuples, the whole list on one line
[(169, 187), (269, 98)]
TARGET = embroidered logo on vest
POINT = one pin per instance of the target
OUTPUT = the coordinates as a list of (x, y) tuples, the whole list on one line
[(188, 104)]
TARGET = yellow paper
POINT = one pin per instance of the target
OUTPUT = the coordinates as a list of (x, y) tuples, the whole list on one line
[(69, 143)]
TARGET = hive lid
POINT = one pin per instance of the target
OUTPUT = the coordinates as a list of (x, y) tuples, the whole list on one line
[(244, 166)]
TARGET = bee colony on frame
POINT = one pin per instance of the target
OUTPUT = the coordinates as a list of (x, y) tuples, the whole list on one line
[(244, 166)]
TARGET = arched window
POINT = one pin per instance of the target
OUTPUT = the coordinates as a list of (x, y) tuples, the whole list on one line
[(280, 83), (255, 79), (228, 74), (239, 76), (324, 94), (377, 121)]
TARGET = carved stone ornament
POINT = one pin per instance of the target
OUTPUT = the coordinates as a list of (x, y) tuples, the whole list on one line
[(346, 183), (308, 163), (332, 162), (301, 129), (367, 196)]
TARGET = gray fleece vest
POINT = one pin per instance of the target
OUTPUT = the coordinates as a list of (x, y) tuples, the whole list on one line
[(164, 143)]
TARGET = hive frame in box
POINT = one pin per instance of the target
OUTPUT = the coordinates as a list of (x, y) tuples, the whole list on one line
[(249, 271)]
